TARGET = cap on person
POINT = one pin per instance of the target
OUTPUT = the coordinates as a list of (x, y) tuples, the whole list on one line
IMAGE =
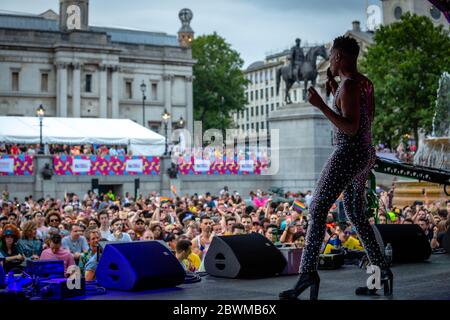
[(10, 230)]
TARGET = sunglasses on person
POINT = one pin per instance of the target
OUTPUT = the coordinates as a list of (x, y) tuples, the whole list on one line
[(55, 220)]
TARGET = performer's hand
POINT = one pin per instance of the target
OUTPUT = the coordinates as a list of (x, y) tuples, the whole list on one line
[(315, 99), (329, 74)]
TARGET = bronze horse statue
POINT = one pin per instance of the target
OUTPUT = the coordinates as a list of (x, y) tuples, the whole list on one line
[(306, 72)]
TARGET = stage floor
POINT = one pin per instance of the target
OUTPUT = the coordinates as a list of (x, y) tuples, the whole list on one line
[(419, 281)]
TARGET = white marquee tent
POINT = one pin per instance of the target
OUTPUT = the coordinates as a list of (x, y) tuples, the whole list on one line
[(79, 131)]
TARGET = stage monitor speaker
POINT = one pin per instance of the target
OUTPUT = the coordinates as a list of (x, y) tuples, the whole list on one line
[(409, 243), (129, 266), (243, 256)]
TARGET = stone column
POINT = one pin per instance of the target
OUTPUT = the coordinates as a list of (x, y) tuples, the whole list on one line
[(189, 105), (168, 102), (115, 91), (76, 91), (61, 87), (103, 92)]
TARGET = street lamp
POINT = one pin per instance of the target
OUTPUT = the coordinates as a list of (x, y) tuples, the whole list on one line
[(166, 117), (40, 113), (143, 89), (181, 122)]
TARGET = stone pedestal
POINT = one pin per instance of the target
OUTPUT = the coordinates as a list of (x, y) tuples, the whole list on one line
[(164, 164), (305, 143), (43, 187)]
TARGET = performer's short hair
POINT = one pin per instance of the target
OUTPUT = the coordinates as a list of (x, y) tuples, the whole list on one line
[(347, 45)]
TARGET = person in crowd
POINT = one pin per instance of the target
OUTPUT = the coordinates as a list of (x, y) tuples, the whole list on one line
[(88, 259), (93, 223), (272, 233), (148, 235), (183, 251), (42, 229), (439, 233), (157, 231), (238, 228), (132, 235), (57, 252), (30, 245), (382, 219), (228, 225), (288, 234), (103, 217), (76, 243), (9, 250), (53, 219), (139, 228), (13, 218), (408, 221), (201, 243), (425, 226), (246, 221), (117, 233)]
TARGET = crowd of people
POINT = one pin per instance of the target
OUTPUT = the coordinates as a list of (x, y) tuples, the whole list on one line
[(70, 229), (404, 152), (64, 149)]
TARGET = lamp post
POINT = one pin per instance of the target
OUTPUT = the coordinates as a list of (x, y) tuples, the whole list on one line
[(181, 122), (166, 118), (40, 113), (143, 89)]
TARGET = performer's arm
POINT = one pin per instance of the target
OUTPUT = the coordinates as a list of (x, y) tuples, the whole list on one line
[(349, 103)]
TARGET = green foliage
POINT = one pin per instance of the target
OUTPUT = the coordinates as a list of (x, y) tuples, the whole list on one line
[(219, 86), (405, 65)]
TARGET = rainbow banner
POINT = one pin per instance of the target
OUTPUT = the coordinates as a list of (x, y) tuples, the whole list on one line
[(21, 165), (299, 206), (165, 199), (105, 166)]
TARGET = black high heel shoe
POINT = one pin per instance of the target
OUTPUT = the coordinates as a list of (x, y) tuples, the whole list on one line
[(387, 281), (304, 281)]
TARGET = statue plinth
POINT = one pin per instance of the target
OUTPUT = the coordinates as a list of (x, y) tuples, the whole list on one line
[(305, 143)]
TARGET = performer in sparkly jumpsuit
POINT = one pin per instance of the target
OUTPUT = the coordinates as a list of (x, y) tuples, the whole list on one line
[(346, 170)]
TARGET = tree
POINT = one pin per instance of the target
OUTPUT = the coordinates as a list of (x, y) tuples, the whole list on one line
[(219, 86), (405, 65)]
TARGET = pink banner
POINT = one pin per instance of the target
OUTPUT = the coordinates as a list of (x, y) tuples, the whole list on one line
[(21, 165), (212, 162), (105, 166)]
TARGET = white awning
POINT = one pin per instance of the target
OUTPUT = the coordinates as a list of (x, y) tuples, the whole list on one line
[(78, 131)]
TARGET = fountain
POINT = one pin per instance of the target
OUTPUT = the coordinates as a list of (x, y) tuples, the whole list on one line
[(432, 156), (434, 150)]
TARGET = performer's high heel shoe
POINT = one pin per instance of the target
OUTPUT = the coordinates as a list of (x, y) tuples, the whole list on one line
[(387, 281), (304, 281)]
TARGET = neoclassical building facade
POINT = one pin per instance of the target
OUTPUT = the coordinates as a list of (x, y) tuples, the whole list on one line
[(77, 70)]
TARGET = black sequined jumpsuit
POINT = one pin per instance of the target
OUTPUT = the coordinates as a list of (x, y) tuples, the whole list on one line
[(346, 170)]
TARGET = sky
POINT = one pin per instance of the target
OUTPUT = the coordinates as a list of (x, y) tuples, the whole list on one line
[(254, 28)]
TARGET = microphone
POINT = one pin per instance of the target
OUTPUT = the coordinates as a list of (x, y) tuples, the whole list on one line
[(328, 83)]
